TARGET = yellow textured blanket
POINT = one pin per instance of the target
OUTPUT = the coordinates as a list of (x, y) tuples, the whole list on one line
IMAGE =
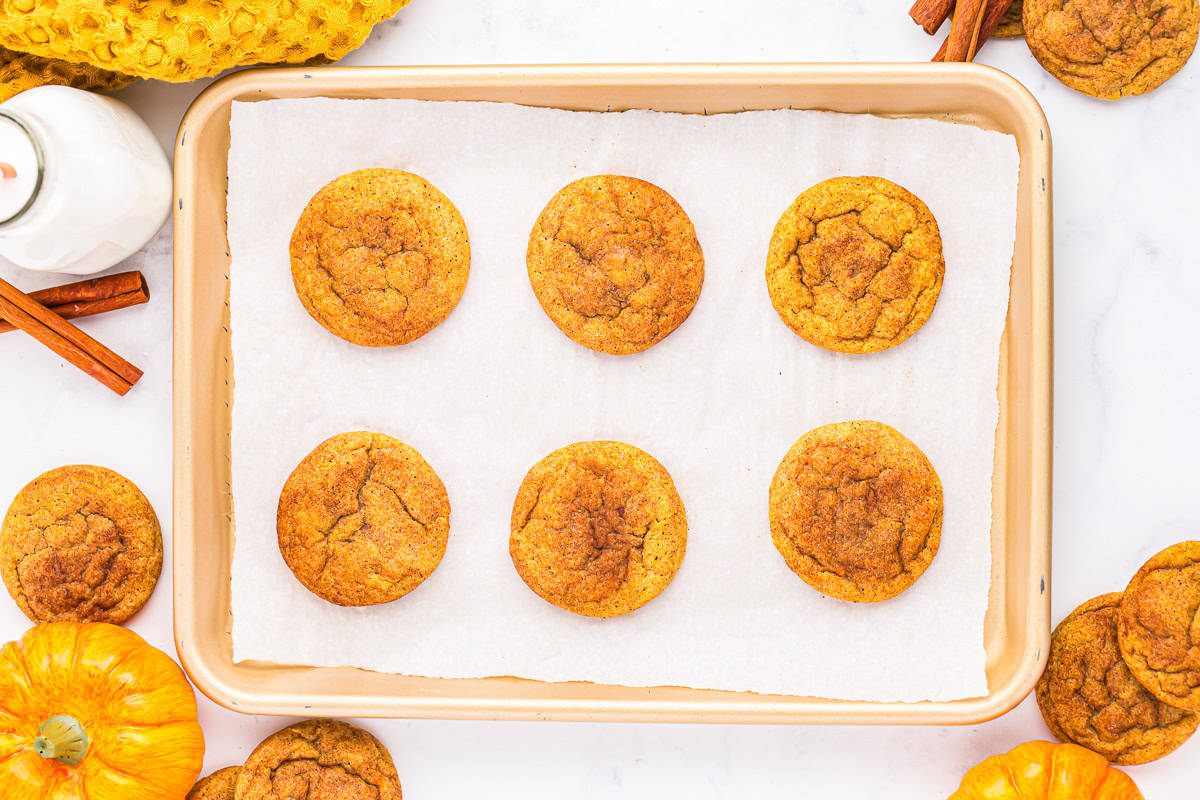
[(104, 44)]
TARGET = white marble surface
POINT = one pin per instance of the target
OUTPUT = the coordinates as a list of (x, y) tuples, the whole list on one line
[(1127, 294)]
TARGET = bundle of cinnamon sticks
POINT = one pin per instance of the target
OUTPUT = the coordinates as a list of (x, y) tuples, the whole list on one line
[(43, 315), (974, 22)]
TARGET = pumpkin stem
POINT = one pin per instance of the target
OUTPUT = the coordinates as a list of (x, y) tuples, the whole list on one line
[(62, 739)]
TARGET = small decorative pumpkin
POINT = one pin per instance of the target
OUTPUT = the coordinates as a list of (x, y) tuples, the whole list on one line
[(89, 711), (1046, 771)]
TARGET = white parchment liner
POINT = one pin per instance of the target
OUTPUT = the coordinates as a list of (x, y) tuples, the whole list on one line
[(497, 386)]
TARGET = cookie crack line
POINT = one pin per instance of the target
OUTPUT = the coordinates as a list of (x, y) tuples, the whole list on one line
[(856, 214), (361, 508), (320, 765), (904, 564), (828, 279), (362, 519), (1095, 37), (1089, 695), (1140, 34), (1112, 49), (379, 257), (855, 265), (109, 554), (614, 263), (566, 274), (88, 576), (583, 520), (531, 513), (602, 535), (855, 511), (623, 299), (342, 292), (607, 539), (317, 759)]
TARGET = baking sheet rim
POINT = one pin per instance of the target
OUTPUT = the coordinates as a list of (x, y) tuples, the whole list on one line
[(716, 706)]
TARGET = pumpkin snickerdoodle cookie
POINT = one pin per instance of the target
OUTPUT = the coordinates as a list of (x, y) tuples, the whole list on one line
[(615, 263), (856, 511), (855, 265), (319, 758), (218, 786), (1010, 24), (1088, 696), (363, 519), (598, 528), (380, 257), (1111, 48), (80, 544), (1160, 625)]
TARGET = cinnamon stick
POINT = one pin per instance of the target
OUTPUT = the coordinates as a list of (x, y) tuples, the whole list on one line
[(65, 339), (930, 14), (993, 13), (96, 296), (964, 30)]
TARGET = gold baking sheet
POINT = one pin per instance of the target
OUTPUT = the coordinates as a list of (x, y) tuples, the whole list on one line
[(1017, 622)]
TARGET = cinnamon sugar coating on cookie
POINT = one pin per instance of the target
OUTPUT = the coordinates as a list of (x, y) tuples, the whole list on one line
[(856, 511), (615, 263), (1088, 696), (598, 528), (1112, 48), (380, 257), (1160, 625), (855, 265), (81, 544), (363, 519), (320, 759), (220, 785)]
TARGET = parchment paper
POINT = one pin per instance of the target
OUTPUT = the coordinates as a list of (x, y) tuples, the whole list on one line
[(718, 402)]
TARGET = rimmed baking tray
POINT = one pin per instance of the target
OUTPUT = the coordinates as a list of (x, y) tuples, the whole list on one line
[(1016, 629)]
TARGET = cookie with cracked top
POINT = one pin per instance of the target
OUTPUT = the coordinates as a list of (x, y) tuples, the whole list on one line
[(380, 257), (1111, 48), (80, 543), (363, 519), (856, 511), (615, 263), (855, 265), (1088, 696), (598, 528), (1159, 628), (319, 758), (220, 785)]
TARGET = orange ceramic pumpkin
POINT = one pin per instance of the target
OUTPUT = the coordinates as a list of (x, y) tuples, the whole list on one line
[(1046, 771), (89, 711)]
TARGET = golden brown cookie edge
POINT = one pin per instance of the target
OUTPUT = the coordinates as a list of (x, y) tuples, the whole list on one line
[(356, 334), (1145, 675), (146, 511), (608, 608), (837, 587), (1058, 68), (1046, 704), (835, 344), (606, 345), (218, 785), (246, 788), (343, 596)]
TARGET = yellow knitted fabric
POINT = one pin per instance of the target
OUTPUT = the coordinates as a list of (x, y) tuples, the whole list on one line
[(21, 71), (179, 40)]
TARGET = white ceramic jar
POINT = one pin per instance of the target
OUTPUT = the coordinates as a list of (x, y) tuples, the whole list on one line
[(83, 181)]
